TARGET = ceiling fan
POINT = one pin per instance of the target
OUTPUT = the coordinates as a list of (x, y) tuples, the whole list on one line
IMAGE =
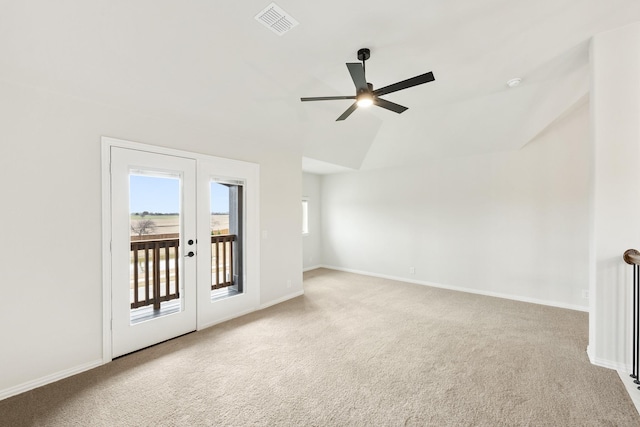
[(365, 95)]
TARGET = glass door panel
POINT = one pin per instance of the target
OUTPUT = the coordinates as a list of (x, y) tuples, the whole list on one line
[(154, 209)]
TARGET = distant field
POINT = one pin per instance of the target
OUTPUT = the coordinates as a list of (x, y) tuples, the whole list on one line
[(154, 217), (166, 224)]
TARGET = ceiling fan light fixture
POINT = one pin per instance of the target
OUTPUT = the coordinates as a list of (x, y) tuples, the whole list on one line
[(365, 100)]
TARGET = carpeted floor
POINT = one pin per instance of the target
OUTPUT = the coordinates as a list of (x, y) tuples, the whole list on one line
[(353, 350)]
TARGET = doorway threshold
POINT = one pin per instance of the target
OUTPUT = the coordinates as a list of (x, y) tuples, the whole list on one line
[(143, 314)]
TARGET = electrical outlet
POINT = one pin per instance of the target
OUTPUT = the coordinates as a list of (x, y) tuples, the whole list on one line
[(288, 283), (585, 294), (412, 270)]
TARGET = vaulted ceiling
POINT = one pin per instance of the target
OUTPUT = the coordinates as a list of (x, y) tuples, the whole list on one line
[(212, 63)]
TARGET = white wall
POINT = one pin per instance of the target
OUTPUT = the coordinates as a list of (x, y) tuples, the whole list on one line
[(50, 257), (513, 224), (311, 243), (615, 203)]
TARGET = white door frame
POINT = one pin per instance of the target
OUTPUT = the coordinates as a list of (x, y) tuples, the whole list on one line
[(249, 172)]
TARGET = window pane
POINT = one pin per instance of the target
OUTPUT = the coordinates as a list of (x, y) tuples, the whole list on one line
[(154, 205), (305, 217), (226, 239)]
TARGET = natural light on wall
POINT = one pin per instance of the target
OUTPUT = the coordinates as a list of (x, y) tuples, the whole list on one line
[(305, 216)]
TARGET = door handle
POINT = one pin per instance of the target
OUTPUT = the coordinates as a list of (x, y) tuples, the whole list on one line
[(190, 254)]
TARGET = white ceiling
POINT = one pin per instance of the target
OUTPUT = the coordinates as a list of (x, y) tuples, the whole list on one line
[(211, 63)]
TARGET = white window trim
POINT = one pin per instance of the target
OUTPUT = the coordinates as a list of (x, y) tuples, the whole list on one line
[(305, 218)]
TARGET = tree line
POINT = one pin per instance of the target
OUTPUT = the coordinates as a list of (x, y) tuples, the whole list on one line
[(145, 213)]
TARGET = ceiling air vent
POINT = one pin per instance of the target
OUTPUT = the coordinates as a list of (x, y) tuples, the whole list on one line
[(276, 19)]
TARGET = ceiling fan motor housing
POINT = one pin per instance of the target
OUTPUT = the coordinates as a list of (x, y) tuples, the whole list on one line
[(368, 90)]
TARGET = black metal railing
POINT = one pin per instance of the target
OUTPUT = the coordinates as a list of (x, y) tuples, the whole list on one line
[(632, 257)]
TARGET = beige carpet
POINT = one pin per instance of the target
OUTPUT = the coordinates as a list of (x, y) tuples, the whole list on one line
[(353, 350)]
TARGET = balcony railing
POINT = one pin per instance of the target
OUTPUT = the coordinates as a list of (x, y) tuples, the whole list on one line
[(155, 275), (155, 268), (222, 260)]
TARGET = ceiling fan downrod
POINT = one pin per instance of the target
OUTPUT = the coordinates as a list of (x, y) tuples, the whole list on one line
[(363, 55)]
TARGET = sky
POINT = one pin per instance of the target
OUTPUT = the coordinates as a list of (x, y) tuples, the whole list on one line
[(162, 194)]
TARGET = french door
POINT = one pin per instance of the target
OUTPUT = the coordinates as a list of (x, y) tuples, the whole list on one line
[(183, 243), (154, 269)]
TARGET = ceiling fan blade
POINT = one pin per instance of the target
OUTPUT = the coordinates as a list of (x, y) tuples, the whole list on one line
[(348, 112), (390, 105), (327, 98), (357, 75), (414, 81)]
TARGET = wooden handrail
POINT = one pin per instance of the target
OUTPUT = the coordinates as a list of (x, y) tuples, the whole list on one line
[(631, 257)]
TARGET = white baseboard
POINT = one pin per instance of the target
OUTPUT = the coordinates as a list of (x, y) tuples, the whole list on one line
[(603, 363), (610, 364), (463, 289), (48, 379), (283, 299), (590, 354), (632, 388), (260, 307), (225, 319), (313, 267)]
